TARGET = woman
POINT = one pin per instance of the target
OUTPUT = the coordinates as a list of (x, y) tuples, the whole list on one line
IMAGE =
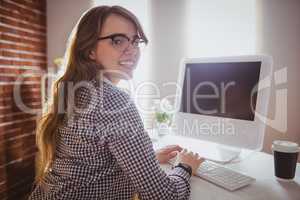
[(92, 143)]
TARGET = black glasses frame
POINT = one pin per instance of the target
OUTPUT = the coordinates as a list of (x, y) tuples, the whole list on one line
[(136, 38)]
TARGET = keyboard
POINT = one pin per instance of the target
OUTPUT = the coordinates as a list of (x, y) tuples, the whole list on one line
[(222, 176)]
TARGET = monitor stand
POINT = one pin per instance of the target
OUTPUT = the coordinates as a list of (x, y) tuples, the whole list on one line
[(209, 150)]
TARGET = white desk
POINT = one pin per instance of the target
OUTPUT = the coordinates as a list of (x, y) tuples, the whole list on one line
[(258, 165)]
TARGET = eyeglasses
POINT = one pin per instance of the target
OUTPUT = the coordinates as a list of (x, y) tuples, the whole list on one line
[(121, 41)]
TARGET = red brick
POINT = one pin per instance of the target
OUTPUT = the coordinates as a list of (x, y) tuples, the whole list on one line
[(12, 110), (19, 78), (22, 25), (18, 148), (16, 187), (39, 5), (21, 55), (11, 13), (23, 11), (22, 33), (27, 127), (22, 43), (11, 38)]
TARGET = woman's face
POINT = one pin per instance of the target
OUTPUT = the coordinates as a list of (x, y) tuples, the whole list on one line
[(118, 57)]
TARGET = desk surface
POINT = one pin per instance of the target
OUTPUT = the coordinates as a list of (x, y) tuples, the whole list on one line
[(258, 165)]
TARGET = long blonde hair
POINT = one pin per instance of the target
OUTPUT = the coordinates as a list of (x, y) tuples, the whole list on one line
[(79, 67)]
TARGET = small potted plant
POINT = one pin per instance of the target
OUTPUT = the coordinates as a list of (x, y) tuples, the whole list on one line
[(163, 116)]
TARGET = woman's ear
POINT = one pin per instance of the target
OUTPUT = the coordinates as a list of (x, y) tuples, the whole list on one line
[(92, 55)]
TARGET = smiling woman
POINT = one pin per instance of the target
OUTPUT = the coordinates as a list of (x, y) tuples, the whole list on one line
[(117, 49), (92, 143)]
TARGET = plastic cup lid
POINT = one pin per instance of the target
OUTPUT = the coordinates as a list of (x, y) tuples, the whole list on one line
[(285, 146)]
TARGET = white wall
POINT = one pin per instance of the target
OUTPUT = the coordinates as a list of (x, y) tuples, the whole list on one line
[(62, 16), (198, 28), (220, 27), (279, 35), (168, 19)]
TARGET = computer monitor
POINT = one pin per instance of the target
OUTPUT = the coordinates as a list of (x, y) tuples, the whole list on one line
[(219, 99)]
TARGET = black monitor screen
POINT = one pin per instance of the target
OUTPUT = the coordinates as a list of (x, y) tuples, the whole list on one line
[(221, 89)]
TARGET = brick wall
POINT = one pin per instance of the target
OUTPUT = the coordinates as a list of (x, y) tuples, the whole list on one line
[(22, 53)]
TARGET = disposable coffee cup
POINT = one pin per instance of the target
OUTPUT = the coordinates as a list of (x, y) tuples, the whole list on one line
[(285, 159)]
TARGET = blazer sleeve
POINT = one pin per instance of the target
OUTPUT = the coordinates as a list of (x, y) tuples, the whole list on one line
[(131, 146)]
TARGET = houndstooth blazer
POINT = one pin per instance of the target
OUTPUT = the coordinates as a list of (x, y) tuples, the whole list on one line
[(103, 152)]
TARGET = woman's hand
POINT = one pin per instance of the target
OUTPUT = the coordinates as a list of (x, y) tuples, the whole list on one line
[(166, 153), (191, 159)]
